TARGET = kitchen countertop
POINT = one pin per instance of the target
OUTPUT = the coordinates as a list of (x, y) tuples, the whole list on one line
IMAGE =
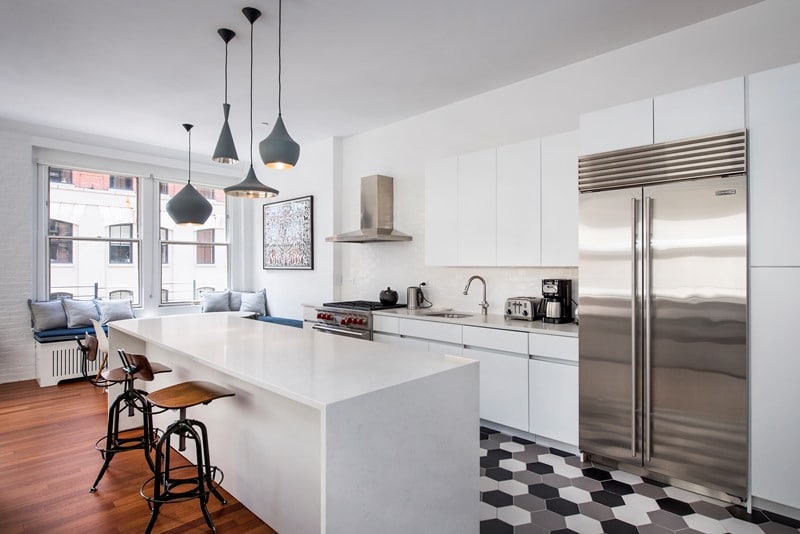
[(308, 367), (490, 321)]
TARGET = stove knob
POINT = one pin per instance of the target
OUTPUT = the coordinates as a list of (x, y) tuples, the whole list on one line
[(508, 311), (361, 321), (344, 322), (525, 313)]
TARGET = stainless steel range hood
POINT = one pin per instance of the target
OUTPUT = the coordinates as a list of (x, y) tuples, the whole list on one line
[(377, 213)]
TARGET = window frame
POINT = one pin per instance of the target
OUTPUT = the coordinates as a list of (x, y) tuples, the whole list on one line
[(120, 242)]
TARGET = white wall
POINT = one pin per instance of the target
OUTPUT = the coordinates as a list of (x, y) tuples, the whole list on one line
[(287, 290), (753, 39), (17, 187)]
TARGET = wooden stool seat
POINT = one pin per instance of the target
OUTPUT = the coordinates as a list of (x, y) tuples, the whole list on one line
[(186, 394), (118, 374)]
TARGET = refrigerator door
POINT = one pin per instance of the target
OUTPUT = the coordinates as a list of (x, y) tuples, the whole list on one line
[(610, 349), (695, 312)]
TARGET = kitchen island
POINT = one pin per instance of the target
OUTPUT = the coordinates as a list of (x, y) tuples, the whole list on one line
[(326, 434)]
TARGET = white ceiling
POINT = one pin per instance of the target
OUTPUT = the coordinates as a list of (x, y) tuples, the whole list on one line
[(136, 70)]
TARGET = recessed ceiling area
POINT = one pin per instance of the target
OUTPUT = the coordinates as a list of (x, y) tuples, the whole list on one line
[(135, 71)]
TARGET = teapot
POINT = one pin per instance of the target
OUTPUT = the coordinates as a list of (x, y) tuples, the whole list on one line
[(388, 297)]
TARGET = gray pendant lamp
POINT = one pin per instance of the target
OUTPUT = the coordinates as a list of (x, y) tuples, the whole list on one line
[(189, 207), (226, 150), (279, 151), (251, 187)]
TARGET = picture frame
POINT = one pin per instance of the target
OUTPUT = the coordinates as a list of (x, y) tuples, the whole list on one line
[(289, 234)]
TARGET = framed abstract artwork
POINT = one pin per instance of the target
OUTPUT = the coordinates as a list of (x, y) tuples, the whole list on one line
[(288, 234)]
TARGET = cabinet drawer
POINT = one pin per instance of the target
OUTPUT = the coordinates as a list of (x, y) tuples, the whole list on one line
[(381, 323), (450, 333), (550, 346), (496, 339)]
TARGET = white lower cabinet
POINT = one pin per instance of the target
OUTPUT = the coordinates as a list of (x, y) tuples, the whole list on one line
[(504, 386), (503, 357), (553, 380), (774, 395), (553, 409)]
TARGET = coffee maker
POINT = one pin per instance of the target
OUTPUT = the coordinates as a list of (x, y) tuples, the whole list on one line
[(557, 303)]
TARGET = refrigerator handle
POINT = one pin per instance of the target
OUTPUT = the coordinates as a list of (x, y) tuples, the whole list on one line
[(634, 279), (646, 330)]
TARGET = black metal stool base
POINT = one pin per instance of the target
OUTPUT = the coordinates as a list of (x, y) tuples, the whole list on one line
[(183, 483), (132, 400)]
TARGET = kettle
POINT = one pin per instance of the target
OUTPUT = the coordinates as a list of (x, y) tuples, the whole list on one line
[(414, 297), (388, 297)]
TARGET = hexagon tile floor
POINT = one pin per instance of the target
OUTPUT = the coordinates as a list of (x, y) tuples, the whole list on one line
[(527, 488)]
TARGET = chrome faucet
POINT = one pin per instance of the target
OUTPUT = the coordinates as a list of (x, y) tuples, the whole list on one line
[(484, 305)]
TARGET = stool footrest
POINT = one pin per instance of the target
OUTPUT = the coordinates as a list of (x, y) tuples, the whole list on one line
[(171, 493)]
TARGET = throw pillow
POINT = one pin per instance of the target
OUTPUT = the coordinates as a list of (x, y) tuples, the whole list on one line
[(47, 315), (216, 301), (236, 300), (255, 302), (80, 312), (114, 310)]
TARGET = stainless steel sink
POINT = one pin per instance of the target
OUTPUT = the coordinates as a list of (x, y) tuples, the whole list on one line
[(449, 315)]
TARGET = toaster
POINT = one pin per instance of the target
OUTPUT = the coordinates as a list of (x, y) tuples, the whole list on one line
[(526, 308)]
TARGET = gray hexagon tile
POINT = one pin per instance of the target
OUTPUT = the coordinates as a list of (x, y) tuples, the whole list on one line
[(527, 488)]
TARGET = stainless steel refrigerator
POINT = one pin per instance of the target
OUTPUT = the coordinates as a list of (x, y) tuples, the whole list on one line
[(663, 310)]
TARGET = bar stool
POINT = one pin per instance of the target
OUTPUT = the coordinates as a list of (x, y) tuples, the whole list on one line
[(131, 399), (173, 484)]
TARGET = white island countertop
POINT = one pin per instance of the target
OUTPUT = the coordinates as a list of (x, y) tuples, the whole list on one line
[(300, 364), (491, 320)]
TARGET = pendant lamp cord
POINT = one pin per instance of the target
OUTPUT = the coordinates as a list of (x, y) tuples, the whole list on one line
[(251, 93), (280, 22), (190, 156), (226, 72)]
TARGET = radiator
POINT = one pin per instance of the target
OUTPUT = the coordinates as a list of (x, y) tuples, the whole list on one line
[(58, 361)]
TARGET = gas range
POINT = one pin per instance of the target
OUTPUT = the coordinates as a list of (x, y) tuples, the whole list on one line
[(352, 318)]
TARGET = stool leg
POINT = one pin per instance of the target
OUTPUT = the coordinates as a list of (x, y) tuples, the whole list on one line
[(207, 461), (112, 431)]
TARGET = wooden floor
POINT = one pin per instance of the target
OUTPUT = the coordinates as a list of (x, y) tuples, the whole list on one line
[(48, 462)]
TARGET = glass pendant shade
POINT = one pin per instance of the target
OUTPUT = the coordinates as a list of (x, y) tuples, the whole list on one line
[(251, 187), (279, 151), (189, 207), (225, 152)]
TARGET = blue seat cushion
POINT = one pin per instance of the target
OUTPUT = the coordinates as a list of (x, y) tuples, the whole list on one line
[(296, 323), (63, 334)]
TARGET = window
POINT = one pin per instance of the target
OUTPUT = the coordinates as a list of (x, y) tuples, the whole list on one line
[(197, 256), (60, 249), (120, 182), (89, 222), (61, 176), (205, 253), (120, 251), (164, 235)]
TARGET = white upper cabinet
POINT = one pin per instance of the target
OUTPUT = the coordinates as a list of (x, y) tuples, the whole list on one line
[(511, 206), (477, 208), (709, 109), (774, 131), (441, 208), (518, 201), (559, 207), (624, 126)]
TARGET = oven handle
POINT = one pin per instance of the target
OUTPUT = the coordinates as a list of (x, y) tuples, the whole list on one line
[(340, 331)]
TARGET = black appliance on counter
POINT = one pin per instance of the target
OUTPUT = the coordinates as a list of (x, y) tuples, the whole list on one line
[(352, 318), (557, 294)]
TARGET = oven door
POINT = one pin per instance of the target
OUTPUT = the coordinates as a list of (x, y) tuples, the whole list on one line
[(343, 331)]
